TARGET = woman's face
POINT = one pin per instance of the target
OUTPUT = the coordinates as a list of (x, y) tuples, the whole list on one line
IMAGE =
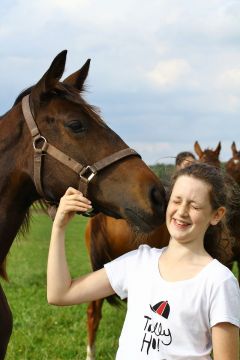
[(189, 211)]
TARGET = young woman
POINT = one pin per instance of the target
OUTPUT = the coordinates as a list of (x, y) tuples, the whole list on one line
[(182, 303)]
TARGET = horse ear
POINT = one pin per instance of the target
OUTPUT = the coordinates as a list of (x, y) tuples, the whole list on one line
[(49, 79), (198, 149), (218, 148), (234, 149), (78, 78)]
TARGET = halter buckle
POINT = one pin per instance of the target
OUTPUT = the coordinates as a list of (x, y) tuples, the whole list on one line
[(39, 144), (87, 173)]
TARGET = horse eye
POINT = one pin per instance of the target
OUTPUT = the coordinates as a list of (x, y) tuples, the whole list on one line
[(76, 126)]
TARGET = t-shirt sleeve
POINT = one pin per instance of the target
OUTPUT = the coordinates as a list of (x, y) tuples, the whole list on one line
[(225, 303), (119, 272)]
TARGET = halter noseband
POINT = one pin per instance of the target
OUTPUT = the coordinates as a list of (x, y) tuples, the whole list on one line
[(42, 147)]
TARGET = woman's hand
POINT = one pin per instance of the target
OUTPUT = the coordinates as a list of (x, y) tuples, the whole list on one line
[(61, 288), (72, 201)]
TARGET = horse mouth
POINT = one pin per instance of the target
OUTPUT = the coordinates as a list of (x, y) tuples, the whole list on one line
[(106, 211), (139, 222)]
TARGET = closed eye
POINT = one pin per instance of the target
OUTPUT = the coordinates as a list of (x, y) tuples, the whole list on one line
[(195, 207), (176, 201)]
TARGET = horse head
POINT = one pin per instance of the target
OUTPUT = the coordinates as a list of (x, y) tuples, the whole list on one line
[(124, 188), (208, 156), (233, 165)]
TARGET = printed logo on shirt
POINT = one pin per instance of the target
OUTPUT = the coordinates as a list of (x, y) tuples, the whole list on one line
[(162, 308), (156, 333)]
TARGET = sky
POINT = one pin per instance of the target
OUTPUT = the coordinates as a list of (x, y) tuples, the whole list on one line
[(164, 73)]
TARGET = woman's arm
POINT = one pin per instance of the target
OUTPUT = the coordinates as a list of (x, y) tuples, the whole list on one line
[(61, 288), (225, 339)]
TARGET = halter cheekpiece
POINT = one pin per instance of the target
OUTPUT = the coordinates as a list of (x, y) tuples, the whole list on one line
[(42, 147)]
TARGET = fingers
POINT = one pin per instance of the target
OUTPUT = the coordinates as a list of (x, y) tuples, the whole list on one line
[(73, 205), (71, 191), (73, 200)]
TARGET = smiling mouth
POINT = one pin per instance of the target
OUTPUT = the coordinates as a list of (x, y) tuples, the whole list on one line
[(181, 224)]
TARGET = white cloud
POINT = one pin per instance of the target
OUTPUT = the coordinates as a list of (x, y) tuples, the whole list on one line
[(232, 103), (170, 73), (154, 152), (230, 78)]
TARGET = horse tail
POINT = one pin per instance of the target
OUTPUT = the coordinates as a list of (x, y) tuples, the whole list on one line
[(98, 247), (3, 271)]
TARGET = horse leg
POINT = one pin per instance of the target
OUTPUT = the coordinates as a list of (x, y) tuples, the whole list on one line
[(6, 323), (94, 314)]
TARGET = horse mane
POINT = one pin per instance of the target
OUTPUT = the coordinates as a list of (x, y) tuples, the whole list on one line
[(22, 94), (39, 205), (70, 93), (24, 229)]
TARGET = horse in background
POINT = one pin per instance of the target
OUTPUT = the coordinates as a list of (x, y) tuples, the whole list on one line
[(233, 165), (208, 156), (51, 139)]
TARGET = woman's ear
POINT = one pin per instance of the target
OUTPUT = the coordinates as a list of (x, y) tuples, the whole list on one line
[(218, 215)]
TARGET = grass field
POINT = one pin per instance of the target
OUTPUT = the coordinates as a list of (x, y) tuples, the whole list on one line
[(42, 331)]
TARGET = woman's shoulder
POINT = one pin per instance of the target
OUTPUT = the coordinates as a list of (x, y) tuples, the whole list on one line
[(146, 250), (142, 254), (219, 273)]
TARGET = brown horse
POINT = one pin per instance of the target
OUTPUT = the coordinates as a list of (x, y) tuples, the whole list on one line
[(51, 139), (107, 238), (208, 156), (233, 165)]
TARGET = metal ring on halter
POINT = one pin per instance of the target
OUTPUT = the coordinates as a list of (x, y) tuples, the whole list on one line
[(37, 140), (89, 173)]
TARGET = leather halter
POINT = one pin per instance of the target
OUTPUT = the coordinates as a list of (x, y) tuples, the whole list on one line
[(42, 147)]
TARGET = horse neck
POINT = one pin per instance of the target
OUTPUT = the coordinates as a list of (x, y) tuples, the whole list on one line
[(213, 162), (17, 191)]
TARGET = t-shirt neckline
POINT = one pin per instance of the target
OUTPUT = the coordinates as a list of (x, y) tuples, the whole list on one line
[(192, 279)]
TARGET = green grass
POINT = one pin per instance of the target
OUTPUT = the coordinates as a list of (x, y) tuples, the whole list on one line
[(42, 331)]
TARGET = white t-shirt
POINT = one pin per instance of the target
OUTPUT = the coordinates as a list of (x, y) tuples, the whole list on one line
[(171, 320)]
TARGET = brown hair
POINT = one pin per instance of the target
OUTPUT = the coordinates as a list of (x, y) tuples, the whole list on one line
[(216, 236), (182, 156)]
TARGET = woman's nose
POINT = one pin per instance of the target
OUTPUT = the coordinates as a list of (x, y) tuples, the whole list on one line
[(183, 210)]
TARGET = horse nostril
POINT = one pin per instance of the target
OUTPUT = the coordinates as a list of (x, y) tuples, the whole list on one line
[(158, 199)]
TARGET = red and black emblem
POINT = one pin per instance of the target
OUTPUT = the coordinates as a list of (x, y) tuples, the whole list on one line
[(162, 308)]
